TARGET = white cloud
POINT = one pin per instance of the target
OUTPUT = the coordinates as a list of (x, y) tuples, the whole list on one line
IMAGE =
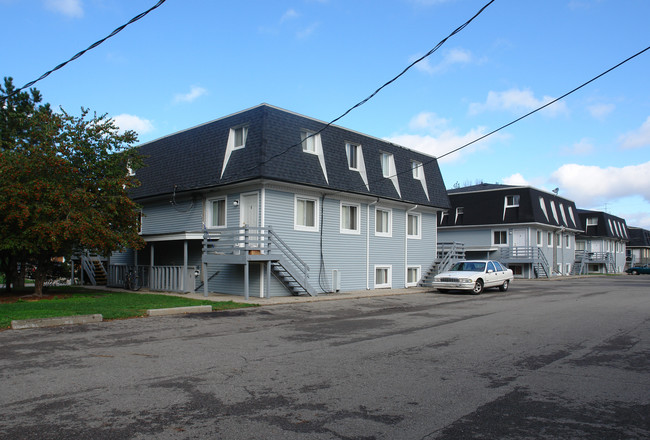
[(434, 136), (515, 179), (450, 58), (288, 15), (194, 93), (593, 185), (135, 123), (71, 8), (517, 101), (583, 147), (306, 32), (600, 111), (637, 138)]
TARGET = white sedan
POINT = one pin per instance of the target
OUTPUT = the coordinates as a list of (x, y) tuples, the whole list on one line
[(474, 275)]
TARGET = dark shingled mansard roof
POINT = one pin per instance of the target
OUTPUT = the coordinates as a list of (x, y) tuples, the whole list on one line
[(607, 225), (192, 159), (484, 204)]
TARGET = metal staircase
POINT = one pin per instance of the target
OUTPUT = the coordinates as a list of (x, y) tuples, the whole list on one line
[(245, 245), (94, 269), (446, 255)]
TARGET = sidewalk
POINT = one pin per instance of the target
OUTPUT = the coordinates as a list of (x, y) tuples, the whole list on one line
[(276, 300)]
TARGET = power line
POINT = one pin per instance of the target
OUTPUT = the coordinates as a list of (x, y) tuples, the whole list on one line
[(480, 138), (372, 95), (92, 46)]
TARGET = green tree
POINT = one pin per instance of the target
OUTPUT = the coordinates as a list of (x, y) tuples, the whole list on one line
[(63, 184)]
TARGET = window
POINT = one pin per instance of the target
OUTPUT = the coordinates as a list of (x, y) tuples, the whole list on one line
[(549, 239), (500, 237), (512, 201), (539, 238), (592, 221), (413, 229), (308, 140), (216, 215), (417, 169), (239, 135), (490, 267), (385, 164), (567, 241), (580, 245), (498, 267), (352, 151), (412, 276), (139, 221), (383, 277), (459, 214), (383, 219), (443, 215), (306, 214), (349, 219)]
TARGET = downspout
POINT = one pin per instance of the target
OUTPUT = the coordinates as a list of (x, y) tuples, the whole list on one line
[(406, 245), (368, 244)]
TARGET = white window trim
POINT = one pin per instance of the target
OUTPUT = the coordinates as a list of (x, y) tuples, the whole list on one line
[(391, 172), (350, 231), (304, 135), (389, 277), (208, 212), (390, 222), (357, 147), (500, 230), (244, 129), (418, 235), (567, 241), (416, 168), (140, 221), (549, 242), (419, 275), (299, 227), (539, 238), (459, 211)]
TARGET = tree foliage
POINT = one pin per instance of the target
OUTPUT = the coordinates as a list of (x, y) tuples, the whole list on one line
[(63, 183)]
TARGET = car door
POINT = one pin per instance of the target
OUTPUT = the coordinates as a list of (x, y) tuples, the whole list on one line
[(491, 275)]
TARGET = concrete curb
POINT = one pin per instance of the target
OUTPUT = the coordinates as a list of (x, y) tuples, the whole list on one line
[(19, 324), (179, 310)]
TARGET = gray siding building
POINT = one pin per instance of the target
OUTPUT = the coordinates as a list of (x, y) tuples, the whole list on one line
[(267, 202)]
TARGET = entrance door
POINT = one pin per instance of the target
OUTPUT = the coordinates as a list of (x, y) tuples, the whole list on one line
[(249, 210), (519, 242), (249, 216)]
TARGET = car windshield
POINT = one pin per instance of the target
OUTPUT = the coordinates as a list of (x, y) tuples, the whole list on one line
[(469, 266)]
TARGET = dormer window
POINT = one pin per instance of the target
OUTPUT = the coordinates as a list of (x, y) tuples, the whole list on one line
[(308, 139), (592, 221), (385, 164), (239, 136), (512, 201), (460, 211), (417, 169), (352, 151), (443, 214)]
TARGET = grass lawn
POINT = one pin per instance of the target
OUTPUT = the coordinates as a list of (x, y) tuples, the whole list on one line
[(75, 300)]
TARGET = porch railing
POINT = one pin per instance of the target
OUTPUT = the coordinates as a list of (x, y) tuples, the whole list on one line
[(156, 278), (261, 241)]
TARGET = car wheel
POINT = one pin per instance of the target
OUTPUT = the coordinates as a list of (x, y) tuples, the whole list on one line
[(478, 287), (443, 290), (635, 272), (503, 287)]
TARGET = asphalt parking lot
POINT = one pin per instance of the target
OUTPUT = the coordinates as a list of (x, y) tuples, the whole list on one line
[(550, 359)]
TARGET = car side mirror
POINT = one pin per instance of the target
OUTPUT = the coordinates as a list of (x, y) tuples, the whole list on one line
[(490, 271)]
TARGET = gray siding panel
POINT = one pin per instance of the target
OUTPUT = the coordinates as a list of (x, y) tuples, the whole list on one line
[(165, 218)]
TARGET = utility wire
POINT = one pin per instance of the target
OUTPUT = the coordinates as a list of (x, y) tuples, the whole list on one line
[(92, 46), (362, 102), (480, 138)]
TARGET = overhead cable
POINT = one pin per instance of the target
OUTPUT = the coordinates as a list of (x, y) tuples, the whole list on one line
[(92, 46), (372, 95)]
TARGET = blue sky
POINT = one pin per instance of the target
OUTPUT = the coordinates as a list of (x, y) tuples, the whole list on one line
[(192, 61)]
